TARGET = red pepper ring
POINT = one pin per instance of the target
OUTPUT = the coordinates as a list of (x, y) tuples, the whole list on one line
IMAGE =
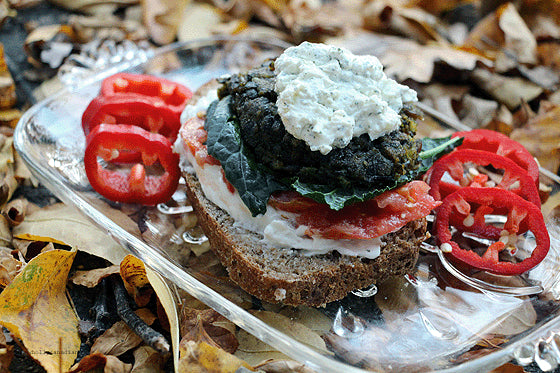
[(521, 211), (496, 142), (453, 164), (136, 186), (172, 94)]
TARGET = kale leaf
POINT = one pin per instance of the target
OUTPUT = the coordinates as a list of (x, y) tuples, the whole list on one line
[(224, 143)]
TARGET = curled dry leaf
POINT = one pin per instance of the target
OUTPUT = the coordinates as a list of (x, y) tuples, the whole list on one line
[(208, 326), (116, 340), (167, 300), (26, 309), (201, 357), (147, 360), (10, 267), (504, 36), (162, 18), (15, 211), (400, 18), (136, 282), (541, 136), (93, 277), (96, 360), (64, 224)]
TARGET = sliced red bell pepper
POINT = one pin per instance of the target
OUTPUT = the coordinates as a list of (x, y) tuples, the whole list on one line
[(453, 162), (457, 207), (141, 111), (137, 185), (500, 144), (173, 95)]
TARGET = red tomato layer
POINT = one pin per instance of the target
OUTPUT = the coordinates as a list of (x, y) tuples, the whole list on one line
[(383, 214)]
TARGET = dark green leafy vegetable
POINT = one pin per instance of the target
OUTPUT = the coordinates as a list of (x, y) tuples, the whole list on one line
[(224, 143), (255, 185)]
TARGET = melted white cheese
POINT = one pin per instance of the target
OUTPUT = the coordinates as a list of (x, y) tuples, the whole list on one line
[(327, 96)]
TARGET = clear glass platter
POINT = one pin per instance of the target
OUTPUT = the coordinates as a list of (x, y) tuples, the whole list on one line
[(434, 319)]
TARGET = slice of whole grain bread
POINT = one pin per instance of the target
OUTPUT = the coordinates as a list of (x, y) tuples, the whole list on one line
[(283, 275)]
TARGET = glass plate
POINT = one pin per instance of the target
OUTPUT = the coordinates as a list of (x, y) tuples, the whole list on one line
[(434, 319)]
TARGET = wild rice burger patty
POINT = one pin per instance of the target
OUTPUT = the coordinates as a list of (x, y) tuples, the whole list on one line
[(362, 163)]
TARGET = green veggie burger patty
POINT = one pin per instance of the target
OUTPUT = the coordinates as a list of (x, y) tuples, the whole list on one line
[(362, 163)]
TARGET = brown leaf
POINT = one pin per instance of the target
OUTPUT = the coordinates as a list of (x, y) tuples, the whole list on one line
[(283, 366), (15, 211), (508, 368), (147, 360), (504, 36), (477, 112), (146, 315), (7, 86), (541, 136), (510, 91), (10, 117), (198, 21), (96, 360), (116, 340), (200, 357), (135, 280), (91, 278), (208, 326), (416, 62), (162, 18), (10, 267)]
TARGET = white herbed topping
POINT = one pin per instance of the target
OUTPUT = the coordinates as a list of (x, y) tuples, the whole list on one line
[(327, 96)]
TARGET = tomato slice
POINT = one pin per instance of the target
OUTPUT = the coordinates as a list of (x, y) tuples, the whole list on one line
[(384, 214), (495, 142)]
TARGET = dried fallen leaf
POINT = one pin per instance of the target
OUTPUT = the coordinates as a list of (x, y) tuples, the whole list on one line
[(10, 117), (96, 360), (169, 304), (26, 309), (541, 136), (510, 91), (283, 366), (208, 326), (136, 282), (202, 358), (147, 360), (162, 18), (91, 278), (15, 211), (146, 315), (7, 86), (116, 340), (64, 224), (254, 350), (477, 112), (508, 368), (198, 21), (93, 6), (10, 267)]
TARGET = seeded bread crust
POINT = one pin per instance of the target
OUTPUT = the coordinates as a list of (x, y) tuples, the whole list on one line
[(285, 275)]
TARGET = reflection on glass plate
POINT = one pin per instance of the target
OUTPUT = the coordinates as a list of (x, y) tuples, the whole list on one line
[(436, 318)]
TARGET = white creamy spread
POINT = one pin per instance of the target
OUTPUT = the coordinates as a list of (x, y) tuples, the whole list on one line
[(327, 96), (277, 227)]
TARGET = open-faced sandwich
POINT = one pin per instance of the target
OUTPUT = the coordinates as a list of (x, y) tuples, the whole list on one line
[(303, 174)]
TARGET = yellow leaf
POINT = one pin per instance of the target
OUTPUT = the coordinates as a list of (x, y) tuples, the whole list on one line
[(202, 358), (35, 309), (135, 280), (60, 223)]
